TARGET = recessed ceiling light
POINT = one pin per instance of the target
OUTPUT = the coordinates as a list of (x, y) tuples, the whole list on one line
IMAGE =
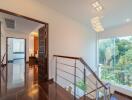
[(99, 8), (96, 5), (128, 20), (97, 26)]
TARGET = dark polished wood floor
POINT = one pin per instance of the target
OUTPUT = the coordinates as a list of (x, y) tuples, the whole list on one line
[(20, 82), (121, 96)]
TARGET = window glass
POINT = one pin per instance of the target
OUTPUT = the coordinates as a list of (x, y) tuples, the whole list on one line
[(115, 60)]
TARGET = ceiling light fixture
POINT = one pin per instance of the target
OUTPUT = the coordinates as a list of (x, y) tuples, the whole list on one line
[(97, 26), (96, 5), (128, 20)]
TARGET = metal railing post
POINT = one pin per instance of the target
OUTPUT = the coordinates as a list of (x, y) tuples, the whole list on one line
[(104, 94), (56, 78), (75, 81), (85, 83), (109, 94), (75, 76), (56, 70), (97, 92)]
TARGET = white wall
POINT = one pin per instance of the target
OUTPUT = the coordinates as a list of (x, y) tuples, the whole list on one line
[(66, 36), (122, 30)]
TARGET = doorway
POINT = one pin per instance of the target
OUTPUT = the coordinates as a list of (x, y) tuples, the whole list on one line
[(16, 57), (16, 49), (41, 51)]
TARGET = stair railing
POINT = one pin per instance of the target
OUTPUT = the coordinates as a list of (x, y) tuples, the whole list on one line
[(77, 77)]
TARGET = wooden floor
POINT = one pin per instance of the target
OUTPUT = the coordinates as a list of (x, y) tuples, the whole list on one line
[(17, 85), (121, 96), (24, 86)]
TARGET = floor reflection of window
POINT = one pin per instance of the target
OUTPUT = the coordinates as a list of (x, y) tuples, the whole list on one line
[(115, 59), (18, 72)]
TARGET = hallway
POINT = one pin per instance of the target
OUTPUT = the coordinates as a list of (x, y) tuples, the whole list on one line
[(19, 82)]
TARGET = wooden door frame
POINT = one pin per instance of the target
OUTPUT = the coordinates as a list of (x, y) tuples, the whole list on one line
[(34, 20), (22, 16), (0, 58)]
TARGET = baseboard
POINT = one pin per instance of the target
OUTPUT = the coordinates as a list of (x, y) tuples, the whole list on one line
[(27, 62), (117, 92), (51, 80)]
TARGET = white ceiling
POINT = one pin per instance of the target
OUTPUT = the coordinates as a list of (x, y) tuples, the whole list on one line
[(21, 25), (114, 13)]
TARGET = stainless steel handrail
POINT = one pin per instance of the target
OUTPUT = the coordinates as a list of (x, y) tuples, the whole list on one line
[(86, 66)]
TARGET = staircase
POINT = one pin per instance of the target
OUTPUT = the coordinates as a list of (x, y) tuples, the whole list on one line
[(76, 77)]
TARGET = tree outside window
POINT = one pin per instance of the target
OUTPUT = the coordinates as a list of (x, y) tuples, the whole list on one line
[(115, 59)]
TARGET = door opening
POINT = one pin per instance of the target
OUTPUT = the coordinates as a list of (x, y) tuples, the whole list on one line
[(16, 49), (16, 57), (25, 25)]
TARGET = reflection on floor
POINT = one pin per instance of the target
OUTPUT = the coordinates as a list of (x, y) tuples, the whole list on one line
[(12, 77), (17, 80), (20, 82)]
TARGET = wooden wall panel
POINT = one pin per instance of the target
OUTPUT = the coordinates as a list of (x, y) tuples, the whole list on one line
[(43, 53)]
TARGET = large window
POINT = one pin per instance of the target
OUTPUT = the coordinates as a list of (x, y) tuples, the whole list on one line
[(115, 60)]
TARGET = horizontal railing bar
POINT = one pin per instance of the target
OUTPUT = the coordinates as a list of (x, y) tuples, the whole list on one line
[(80, 69), (68, 81), (98, 88), (69, 73), (91, 95), (90, 80), (88, 67), (95, 89), (73, 83), (69, 57), (65, 79), (89, 86), (65, 64), (84, 63), (70, 66)]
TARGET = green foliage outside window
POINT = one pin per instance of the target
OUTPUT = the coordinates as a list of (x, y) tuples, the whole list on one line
[(115, 58), (80, 84)]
